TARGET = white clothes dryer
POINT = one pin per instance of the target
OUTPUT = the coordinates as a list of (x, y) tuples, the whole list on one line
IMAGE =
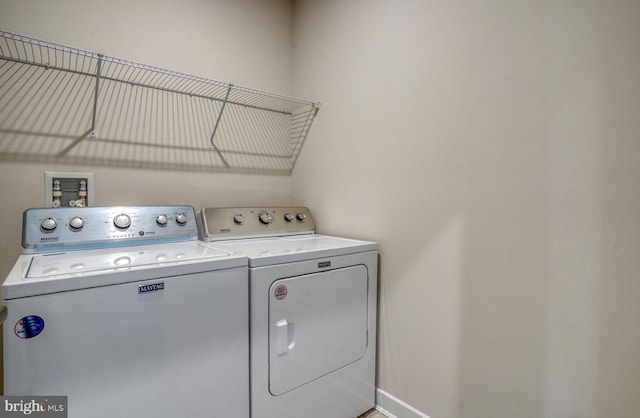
[(123, 311), (313, 302)]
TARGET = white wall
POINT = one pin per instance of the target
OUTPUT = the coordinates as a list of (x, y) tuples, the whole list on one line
[(242, 42), (493, 150)]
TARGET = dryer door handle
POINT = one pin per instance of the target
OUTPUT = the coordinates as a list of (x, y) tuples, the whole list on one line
[(285, 339)]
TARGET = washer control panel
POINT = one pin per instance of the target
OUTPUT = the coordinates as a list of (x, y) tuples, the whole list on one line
[(216, 224), (54, 228)]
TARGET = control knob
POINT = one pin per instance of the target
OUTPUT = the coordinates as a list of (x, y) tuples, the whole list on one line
[(181, 218), (265, 218), (122, 221), (76, 222), (238, 219), (288, 217), (162, 220), (49, 224), (301, 216)]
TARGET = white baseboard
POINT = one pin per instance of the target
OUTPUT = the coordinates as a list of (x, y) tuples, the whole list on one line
[(394, 407)]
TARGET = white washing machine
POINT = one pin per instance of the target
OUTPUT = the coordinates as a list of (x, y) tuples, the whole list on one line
[(312, 311), (125, 312)]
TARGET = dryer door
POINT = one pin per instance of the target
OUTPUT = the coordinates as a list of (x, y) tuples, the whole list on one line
[(317, 324)]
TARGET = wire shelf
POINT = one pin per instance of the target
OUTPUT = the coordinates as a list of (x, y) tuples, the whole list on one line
[(62, 104)]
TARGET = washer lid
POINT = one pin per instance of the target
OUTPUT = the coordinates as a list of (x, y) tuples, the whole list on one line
[(84, 262), (270, 251), (73, 270)]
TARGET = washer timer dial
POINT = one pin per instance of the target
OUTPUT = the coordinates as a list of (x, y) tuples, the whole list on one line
[(265, 218), (122, 221)]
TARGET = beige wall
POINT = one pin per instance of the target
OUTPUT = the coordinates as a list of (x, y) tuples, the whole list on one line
[(490, 147), (246, 43), (493, 150)]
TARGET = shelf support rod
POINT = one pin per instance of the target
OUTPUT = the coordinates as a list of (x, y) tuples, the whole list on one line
[(93, 133), (215, 128)]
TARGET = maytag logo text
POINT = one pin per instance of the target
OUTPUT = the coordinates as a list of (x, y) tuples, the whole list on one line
[(153, 287)]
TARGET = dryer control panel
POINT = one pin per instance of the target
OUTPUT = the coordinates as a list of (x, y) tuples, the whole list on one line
[(215, 224), (50, 229)]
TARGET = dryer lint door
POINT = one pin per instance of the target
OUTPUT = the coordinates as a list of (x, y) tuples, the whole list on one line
[(317, 324)]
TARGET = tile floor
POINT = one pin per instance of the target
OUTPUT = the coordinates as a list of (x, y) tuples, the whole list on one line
[(373, 414)]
